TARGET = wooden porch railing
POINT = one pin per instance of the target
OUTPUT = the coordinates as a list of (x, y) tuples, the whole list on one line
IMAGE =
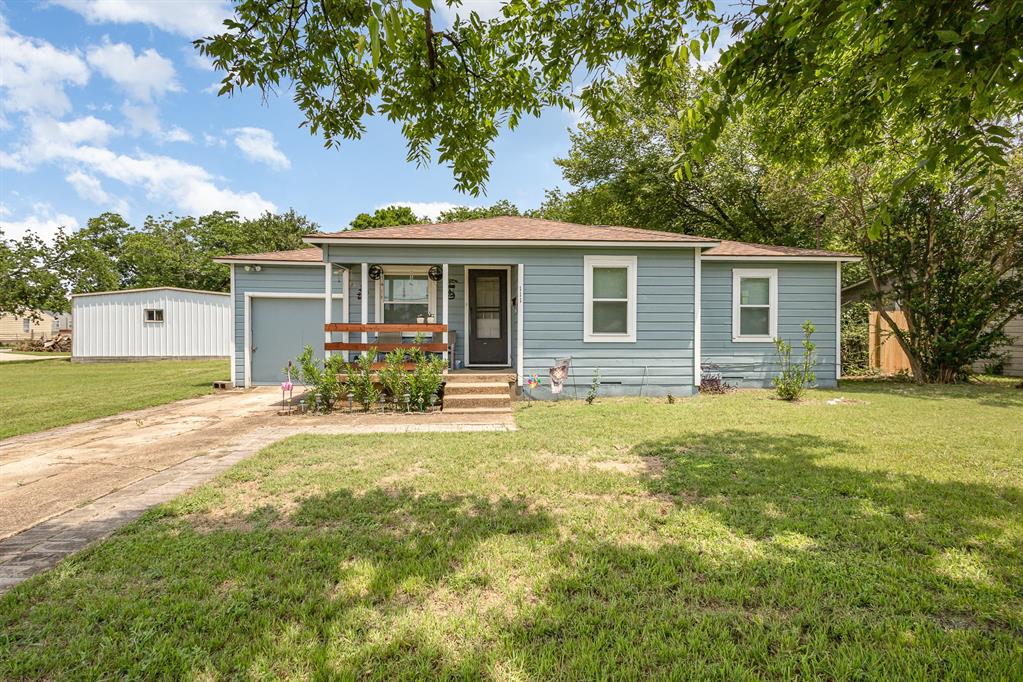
[(432, 347)]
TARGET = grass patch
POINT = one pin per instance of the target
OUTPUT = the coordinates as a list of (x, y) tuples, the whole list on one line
[(41, 395), (732, 537)]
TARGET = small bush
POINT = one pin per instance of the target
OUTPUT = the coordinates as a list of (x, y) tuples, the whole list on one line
[(395, 378), (425, 380), (360, 380), (591, 395), (796, 377), (320, 379)]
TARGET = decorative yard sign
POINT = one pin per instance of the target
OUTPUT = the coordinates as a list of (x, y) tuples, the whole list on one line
[(559, 372)]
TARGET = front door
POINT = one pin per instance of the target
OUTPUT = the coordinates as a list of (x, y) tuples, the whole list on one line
[(488, 317)]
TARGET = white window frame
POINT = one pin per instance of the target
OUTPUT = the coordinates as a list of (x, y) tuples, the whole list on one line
[(145, 315), (631, 265), (431, 288), (770, 274)]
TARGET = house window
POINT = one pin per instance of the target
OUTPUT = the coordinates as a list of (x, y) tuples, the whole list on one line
[(754, 305), (609, 284), (26, 325), (154, 315), (404, 295)]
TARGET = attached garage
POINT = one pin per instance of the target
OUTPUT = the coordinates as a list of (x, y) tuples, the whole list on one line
[(280, 327)]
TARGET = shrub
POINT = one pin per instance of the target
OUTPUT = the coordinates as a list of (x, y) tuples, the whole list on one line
[(856, 340), (591, 395), (796, 377), (320, 379), (426, 379), (394, 377), (360, 380)]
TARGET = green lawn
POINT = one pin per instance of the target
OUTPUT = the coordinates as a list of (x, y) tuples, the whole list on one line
[(41, 395), (729, 537)]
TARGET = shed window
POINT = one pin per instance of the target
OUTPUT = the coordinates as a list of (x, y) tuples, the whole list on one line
[(154, 314), (609, 283), (754, 305)]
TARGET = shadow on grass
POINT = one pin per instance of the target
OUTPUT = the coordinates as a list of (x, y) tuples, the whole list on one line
[(263, 594), (764, 561), (1002, 394)]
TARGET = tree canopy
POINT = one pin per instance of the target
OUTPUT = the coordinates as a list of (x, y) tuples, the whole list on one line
[(850, 74)]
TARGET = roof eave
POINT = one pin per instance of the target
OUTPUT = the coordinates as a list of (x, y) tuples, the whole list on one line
[(804, 259), (265, 261), (594, 243)]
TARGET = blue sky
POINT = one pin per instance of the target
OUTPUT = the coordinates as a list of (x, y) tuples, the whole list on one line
[(105, 106)]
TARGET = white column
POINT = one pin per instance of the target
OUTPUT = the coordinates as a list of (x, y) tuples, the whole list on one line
[(364, 310), (838, 321), (443, 293), (519, 332), (345, 313), (697, 317), (328, 299)]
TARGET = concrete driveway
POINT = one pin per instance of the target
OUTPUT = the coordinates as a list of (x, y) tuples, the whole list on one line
[(48, 473)]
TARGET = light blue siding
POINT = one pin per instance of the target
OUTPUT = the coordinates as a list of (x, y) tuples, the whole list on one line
[(806, 291), (661, 359), (277, 279)]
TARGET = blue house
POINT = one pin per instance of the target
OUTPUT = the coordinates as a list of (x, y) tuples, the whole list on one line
[(650, 310)]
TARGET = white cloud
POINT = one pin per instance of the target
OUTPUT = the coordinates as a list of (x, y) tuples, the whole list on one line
[(144, 118), (192, 19), (213, 140), (423, 209), (48, 139), (5, 210), (141, 76), (44, 222), (34, 74), (258, 144)]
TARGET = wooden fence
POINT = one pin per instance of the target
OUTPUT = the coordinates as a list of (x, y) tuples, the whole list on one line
[(885, 352)]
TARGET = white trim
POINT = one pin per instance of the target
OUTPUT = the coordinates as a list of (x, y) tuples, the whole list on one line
[(431, 288), (234, 261), (327, 305), (838, 321), (519, 315), (136, 291), (249, 295), (346, 277), (465, 296), (771, 274), (364, 299), (637, 244), (234, 328), (788, 259), (697, 319), (631, 263), (444, 309)]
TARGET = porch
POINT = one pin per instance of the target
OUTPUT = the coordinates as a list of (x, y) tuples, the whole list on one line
[(469, 314)]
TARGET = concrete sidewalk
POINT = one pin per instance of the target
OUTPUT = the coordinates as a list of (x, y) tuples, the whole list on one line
[(65, 488)]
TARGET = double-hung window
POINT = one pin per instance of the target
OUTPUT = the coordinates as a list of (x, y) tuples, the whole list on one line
[(754, 305), (404, 295), (609, 284)]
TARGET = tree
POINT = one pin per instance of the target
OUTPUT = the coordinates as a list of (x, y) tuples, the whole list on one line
[(28, 285), (953, 265), (497, 209), (386, 217), (624, 174), (855, 71), (89, 260)]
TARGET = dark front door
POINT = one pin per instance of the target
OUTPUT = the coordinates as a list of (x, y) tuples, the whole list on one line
[(488, 317)]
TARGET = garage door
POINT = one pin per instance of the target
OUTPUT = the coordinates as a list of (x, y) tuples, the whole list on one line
[(281, 328)]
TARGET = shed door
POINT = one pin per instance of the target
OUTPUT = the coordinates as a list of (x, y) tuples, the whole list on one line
[(281, 328)]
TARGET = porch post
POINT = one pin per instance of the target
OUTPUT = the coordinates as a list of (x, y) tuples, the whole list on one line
[(443, 293), (364, 311), (345, 279), (521, 301), (328, 298)]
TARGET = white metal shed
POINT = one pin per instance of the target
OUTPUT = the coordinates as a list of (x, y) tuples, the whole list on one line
[(149, 324)]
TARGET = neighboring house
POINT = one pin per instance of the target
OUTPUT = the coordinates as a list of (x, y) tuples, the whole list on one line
[(151, 324), (647, 309), (23, 328), (887, 355)]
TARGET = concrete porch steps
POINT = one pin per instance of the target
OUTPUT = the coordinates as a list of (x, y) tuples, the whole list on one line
[(478, 393)]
